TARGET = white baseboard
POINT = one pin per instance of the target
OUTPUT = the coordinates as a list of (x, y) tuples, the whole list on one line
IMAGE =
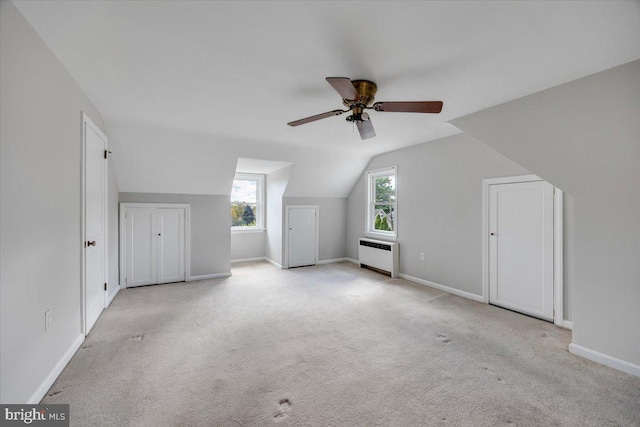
[(332, 261), (274, 263), (567, 324), (56, 371), (352, 261), (208, 276), (605, 359), (113, 295), (238, 261), (444, 288)]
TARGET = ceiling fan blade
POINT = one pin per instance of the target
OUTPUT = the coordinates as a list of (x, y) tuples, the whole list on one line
[(366, 128), (344, 87), (317, 117), (409, 107)]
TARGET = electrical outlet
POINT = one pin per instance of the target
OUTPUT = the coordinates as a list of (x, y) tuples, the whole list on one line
[(47, 320), (421, 256)]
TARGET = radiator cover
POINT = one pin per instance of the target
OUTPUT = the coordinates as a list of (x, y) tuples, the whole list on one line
[(380, 255)]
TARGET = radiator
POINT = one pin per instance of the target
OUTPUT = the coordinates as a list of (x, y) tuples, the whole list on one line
[(379, 255)]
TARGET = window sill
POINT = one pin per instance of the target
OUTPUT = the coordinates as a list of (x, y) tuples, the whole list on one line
[(381, 236), (248, 230)]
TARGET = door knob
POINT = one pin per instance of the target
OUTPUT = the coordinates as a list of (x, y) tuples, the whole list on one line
[(493, 234), (91, 243)]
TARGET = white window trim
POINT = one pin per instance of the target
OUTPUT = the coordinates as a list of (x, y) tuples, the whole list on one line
[(252, 229), (369, 231), (260, 208)]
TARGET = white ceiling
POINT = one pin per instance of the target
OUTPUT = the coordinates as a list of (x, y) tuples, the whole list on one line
[(197, 84), (259, 166)]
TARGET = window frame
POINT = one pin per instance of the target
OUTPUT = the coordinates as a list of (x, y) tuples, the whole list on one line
[(260, 209), (371, 203)]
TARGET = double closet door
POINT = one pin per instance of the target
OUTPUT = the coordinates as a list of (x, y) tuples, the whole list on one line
[(155, 243)]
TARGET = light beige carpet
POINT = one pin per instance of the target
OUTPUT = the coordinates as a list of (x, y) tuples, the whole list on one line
[(331, 345)]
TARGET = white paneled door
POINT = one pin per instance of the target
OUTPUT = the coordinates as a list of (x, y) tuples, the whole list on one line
[(170, 247), (155, 249), (302, 235), (521, 247), (141, 246), (95, 250)]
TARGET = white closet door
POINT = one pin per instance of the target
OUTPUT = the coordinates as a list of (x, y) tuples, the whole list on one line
[(302, 236), (521, 247), (171, 248), (95, 212), (141, 246)]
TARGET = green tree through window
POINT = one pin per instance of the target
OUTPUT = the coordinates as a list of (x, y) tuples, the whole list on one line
[(248, 216), (247, 210), (382, 201), (385, 190), (382, 223)]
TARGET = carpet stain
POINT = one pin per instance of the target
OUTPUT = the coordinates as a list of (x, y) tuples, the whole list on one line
[(444, 339), (86, 346), (54, 393), (285, 406), (493, 373), (136, 338)]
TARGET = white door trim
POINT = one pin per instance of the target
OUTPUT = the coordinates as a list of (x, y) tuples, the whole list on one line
[(286, 231), (87, 122), (123, 235), (558, 258), (558, 293)]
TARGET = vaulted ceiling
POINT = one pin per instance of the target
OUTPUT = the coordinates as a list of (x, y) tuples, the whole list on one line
[(186, 88)]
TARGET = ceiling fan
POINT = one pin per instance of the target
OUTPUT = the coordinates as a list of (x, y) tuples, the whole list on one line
[(357, 96)]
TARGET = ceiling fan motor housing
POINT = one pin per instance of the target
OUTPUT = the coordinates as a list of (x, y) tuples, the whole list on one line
[(366, 91)]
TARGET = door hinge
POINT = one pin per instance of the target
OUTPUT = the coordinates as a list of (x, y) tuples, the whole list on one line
[(106, 153), (105, 286)]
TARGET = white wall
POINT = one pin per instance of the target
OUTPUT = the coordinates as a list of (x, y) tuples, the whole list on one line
[(568, 254), (584, 137), (276, 185), (439, 208), (440, 211), (333, 211), (206, 163), (40, 149), (332, 224), (113, 230), (210, 228), (247, 245)]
